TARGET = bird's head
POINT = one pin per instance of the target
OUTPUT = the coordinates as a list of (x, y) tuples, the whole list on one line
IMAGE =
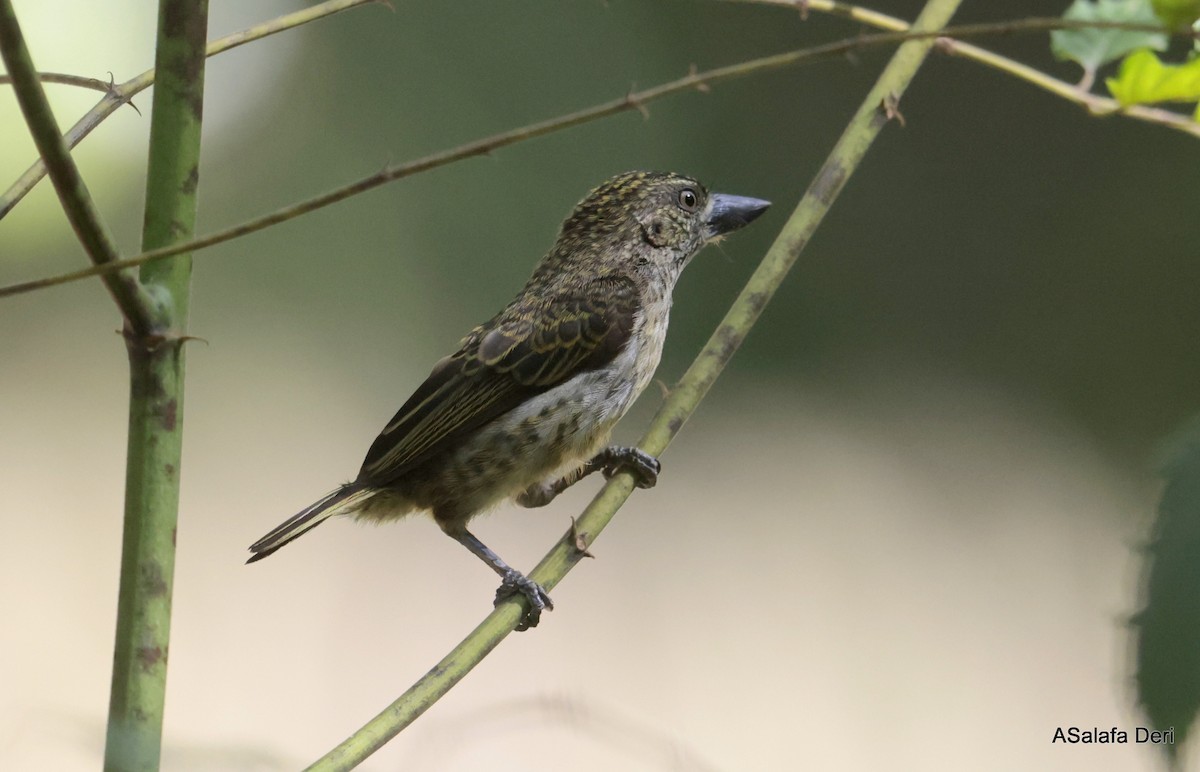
[(651, 222)]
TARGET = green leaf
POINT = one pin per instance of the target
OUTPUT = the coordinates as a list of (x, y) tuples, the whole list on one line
[(1144, 78), (1177, 14), (1095, 47), (1168, 626)]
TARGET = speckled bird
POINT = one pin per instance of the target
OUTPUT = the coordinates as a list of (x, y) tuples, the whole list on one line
[(525, 407)]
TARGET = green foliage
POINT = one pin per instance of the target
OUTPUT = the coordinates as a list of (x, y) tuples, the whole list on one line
[(1144, 78), (1177, 14), (1168, 626), (1093, 48)]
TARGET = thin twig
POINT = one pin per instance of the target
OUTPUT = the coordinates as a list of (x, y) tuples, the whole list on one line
[(699, 81), (68, 183), (124, 92), (95, 84), (631, 101), (1072, 92), (845, 157)]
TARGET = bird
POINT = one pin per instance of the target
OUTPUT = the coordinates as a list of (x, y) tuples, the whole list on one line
[(525, 406)]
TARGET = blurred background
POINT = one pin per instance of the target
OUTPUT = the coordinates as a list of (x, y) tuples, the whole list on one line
[(902, 532)]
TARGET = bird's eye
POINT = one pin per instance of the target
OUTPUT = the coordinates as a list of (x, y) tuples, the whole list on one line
[(687, 199)]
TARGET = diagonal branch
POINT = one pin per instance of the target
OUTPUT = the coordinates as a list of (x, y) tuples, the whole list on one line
[(124, 92), (77, 203), (864, 127)]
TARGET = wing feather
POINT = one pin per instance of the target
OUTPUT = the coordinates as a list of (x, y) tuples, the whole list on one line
[(523, 352)]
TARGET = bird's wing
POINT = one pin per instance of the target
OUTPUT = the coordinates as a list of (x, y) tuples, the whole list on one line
[(496, 369)]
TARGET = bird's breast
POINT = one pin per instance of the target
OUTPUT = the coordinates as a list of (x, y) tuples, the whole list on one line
[(650, 332)]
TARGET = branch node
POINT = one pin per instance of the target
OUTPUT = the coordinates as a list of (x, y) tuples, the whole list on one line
[(701, 85), (891, 109), (579, 540), (115, 92), (802, 6), (632, 101), (151, 342)]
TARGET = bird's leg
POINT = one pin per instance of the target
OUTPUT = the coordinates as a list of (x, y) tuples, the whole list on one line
[(643, 466), (513, 581), (541, 494)]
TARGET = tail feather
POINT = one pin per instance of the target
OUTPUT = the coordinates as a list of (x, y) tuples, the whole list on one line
[(307, 519)]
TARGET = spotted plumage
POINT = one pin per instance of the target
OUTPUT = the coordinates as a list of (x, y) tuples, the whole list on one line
[(525, 406)]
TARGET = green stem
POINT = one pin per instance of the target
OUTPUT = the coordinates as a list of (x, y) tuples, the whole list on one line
[(68, 183), (864, 127), (124, 92), (156, 360)]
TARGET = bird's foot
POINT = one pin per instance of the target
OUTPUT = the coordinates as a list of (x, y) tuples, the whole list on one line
[(643, 466), (515, 583)]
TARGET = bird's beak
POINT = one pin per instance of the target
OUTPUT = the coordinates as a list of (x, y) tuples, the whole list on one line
[(728, 213)]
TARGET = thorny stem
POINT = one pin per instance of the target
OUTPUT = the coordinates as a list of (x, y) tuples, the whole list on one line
[(63, 79)]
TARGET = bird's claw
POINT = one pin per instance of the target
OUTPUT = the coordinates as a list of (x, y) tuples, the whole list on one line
[(643, 466), (516, 583)]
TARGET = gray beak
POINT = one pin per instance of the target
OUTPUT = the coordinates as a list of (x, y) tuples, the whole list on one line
[(729, 213)]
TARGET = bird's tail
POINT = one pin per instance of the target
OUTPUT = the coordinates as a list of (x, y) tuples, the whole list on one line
[(337, 502)]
